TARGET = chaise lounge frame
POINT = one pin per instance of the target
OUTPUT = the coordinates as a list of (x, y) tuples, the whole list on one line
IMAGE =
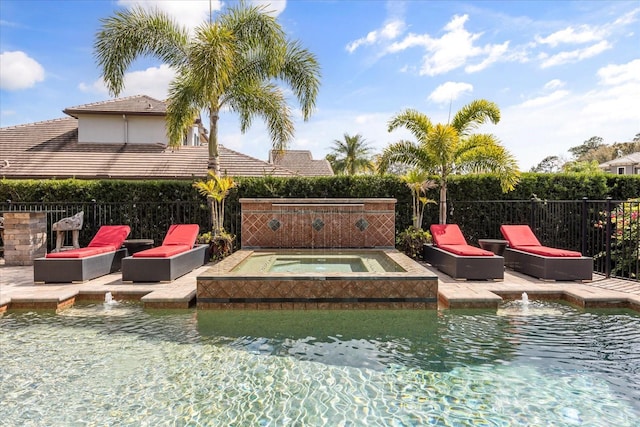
[(528, 256), (465, 266), (77, 270), (452, 255), (549, 268), (163, 269)]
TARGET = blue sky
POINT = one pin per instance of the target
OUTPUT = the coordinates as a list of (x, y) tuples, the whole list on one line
[(561, 72)]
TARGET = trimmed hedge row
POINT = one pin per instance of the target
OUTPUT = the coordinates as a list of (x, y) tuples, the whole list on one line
[(461, 188)]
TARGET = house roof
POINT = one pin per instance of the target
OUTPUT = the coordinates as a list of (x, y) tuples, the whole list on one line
[(300, 162), (50, 149), (133, 105), (629, 159)]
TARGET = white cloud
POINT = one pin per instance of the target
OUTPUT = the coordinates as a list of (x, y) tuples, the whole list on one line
[(616, 74), (389, 31), (189, 13), (453, 50), (494, 53), (583, 34), (627, 18), (554, 84), (575, 55), (545, 100), (272, 7), (154, 81), (449, 91), (19, 71)]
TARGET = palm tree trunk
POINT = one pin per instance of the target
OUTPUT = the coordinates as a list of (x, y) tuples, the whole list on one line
[(443, 202), (214, 155)]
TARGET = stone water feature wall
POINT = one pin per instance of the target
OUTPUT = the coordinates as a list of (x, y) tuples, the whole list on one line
[(346, 225), (25, 237), (318, 223)]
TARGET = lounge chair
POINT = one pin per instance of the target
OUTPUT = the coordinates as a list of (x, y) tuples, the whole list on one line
[(527, 255), (174, 258), (102, 256), (452, 255)]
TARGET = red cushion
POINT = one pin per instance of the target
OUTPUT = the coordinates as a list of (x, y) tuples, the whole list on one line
[(162, 251), (466, 250), (519, 235), (110, 235), (181, 234), (447, 234), (82, 252), (547, 251)]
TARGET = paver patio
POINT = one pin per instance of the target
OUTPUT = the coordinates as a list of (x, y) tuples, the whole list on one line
[(18, 291)]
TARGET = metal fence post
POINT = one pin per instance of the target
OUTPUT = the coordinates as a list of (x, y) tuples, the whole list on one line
[(584, 225), (532, 219), (607, 267)]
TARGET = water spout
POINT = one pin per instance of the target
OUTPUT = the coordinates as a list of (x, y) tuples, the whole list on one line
[(108, 299), (525, 298)]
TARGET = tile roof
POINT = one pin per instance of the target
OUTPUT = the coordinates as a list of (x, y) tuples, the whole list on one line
[(629, 159), (134, 105), (300, 162), (50, 149)]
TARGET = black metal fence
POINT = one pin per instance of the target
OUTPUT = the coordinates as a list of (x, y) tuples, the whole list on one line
[(147, 220), (607, 230)]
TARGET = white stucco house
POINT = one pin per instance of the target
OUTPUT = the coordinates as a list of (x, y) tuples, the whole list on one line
[(625, 165), (126, 138)]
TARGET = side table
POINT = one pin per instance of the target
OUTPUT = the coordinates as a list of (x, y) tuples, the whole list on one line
[(137, 245), (494, 245)]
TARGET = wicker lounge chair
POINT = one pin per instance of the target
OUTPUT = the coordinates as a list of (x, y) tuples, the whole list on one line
[(526, 255), (102, 256), (174, 258), (451, 254)]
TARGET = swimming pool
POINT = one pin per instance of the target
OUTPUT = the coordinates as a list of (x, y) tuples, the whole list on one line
[(115, 365)]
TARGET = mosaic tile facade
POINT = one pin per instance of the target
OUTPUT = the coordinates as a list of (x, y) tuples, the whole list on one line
[(220, 287), (318, 223)]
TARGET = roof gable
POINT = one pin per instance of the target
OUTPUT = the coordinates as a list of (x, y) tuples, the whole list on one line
[(300, 162), (133, 105)]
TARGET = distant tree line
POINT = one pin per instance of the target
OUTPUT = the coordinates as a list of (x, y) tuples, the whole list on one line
[(586, 157)]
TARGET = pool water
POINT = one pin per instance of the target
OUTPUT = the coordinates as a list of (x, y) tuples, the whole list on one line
[(117, 364), (317, 261)]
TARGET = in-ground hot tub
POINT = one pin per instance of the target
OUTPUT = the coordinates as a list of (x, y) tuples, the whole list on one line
[(317, 279)]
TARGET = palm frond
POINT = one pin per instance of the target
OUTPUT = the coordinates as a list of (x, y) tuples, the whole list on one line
[(475, 114), (133, 33), (417, 123)]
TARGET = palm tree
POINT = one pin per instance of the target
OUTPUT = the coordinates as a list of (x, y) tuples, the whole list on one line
[(233, 63), (418, 182), (452, 148), (351, 155)]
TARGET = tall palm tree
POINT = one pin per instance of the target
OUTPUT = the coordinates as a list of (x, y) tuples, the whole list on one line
[(351, 155), (452, 148), (234, 63)]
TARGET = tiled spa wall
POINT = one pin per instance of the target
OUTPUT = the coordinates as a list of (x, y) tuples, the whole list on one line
[(318, 223)]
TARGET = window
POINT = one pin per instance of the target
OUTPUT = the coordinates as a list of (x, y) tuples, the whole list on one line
[(621, 170)]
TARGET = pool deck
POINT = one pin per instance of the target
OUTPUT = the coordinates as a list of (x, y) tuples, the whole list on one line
[(18, 291)]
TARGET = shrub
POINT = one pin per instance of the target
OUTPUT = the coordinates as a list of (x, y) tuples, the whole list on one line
[(411, 241)]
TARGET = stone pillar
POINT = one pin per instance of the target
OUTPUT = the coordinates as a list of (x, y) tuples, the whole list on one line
[(25, 237)]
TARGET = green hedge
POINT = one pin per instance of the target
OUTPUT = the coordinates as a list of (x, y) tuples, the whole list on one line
[(461, 188)]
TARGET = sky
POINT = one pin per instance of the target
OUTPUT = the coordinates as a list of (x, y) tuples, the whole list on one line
[(561, 72)]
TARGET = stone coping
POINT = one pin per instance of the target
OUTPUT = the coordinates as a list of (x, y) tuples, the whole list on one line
[(316, 201), (412, 269)]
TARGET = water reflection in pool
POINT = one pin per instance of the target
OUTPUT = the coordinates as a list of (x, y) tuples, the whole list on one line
[(120, 365)]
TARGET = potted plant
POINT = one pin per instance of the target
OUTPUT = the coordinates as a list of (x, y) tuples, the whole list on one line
[(216, 189)]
